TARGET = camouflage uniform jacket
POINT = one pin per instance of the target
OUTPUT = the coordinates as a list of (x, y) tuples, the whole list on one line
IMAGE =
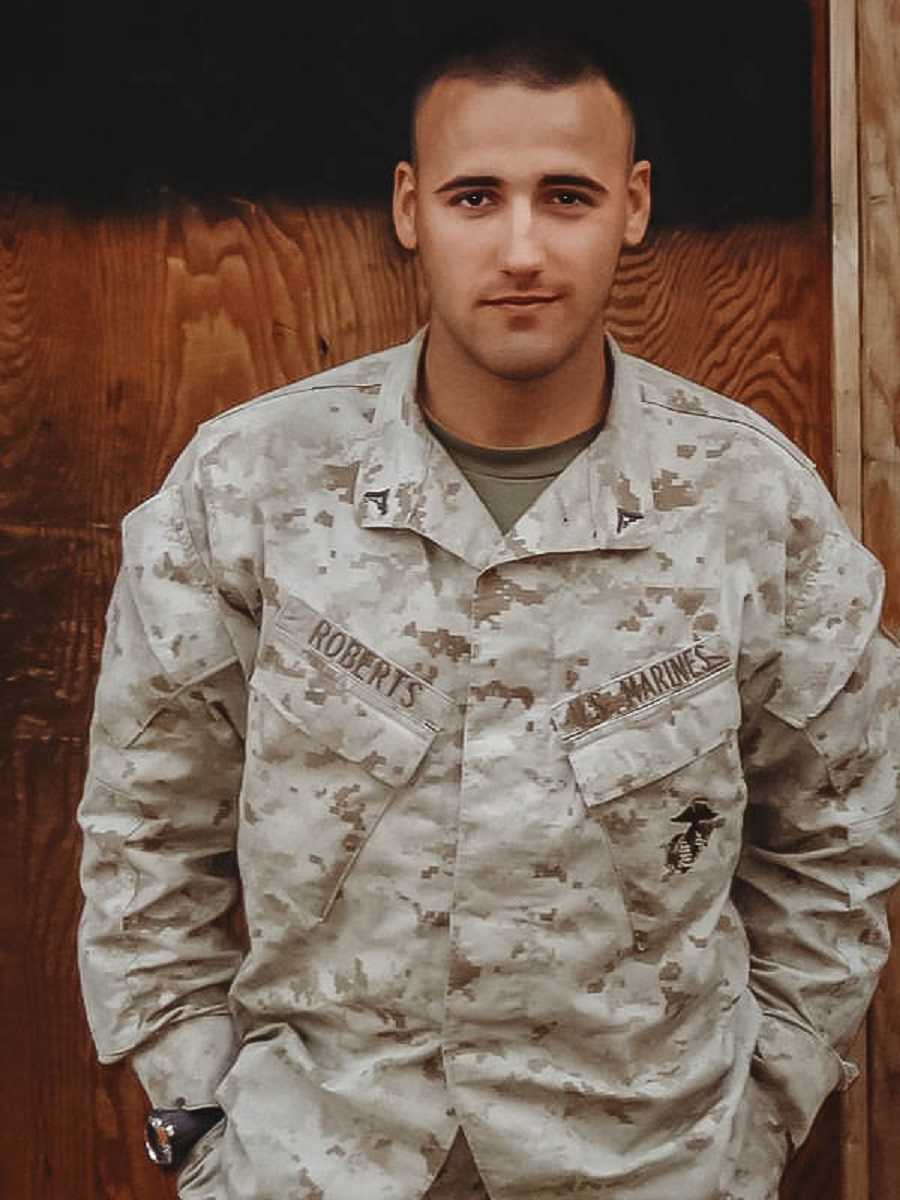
[(578, 837)]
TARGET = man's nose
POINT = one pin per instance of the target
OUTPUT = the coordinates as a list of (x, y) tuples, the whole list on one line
[(521, 252)]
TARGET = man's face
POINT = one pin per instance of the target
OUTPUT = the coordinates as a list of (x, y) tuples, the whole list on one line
[(519, 206)]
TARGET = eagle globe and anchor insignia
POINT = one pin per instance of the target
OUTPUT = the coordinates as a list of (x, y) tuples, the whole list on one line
[(685, 847)]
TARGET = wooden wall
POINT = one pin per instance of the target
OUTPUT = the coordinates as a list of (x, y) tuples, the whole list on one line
[(117, 336), (878, 57)]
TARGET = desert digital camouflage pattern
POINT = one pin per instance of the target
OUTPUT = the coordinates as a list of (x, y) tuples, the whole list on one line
[(576, 838)]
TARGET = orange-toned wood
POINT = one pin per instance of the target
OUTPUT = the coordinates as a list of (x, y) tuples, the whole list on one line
[(746, 312), (879, 51), (879, 75), (155, 323), (845, 265), (855, 1118), (884, 1074), (815, 1171)]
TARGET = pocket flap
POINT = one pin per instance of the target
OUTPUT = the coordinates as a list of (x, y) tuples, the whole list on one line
[(338, 710), (635, 751)]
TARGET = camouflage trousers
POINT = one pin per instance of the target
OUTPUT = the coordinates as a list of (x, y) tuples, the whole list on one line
[(458, 1178), (759, 1154), (760, 1162)]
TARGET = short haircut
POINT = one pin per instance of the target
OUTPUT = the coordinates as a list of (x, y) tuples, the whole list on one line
[(533, 54)]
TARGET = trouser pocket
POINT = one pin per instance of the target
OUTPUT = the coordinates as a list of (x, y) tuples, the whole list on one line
[(199, 1178)]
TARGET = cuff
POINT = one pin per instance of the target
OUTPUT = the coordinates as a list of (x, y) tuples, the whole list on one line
[(799, 1070), (182, 1066)]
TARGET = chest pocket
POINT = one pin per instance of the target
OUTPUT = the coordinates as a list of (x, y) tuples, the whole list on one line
[(666, 787), (327, 753)]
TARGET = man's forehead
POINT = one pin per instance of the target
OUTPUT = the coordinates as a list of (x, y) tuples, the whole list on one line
[(462, 117)]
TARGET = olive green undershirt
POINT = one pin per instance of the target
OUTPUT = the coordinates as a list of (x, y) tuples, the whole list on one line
[(509, 481)]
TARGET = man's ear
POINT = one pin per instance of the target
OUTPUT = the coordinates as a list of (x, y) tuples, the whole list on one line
[(405, 205), (638, 214)]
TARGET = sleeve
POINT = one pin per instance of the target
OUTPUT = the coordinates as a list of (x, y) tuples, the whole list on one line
[(821, 841), (157, 950)]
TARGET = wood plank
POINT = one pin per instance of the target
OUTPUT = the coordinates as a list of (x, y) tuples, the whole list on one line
[(52, 604), (880, 158), (16, 1013), (884, 1073), (815, 1171), (879, 68), (882, 529), (119, 335), (258, 296), (855, 1119), (71, 1128), (845, 260), (744, 311), (79, 355)]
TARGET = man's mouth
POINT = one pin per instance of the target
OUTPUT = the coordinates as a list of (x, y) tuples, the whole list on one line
[(521, 300)]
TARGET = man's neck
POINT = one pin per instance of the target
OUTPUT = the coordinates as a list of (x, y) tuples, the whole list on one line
[(485, 410)]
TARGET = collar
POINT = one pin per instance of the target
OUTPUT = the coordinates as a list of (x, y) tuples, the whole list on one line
[(602, 501)]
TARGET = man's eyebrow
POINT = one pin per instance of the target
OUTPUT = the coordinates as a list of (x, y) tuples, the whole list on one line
[(468, 181), (493, 181), (581, 181)]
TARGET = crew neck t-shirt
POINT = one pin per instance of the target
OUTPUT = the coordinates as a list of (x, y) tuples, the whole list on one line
[(508, 481)]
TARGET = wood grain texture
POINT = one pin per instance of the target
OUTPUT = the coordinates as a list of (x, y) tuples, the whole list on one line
[(880, 215), (879, 74), (815, 1171), (71, 1128), (882, 530), (125, 327), (845, 264), (855, 1119), (884, 1075), (56, 586), (745, 312), (77, 303)]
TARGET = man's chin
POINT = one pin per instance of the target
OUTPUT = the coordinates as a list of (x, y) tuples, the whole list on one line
[(522, 364)]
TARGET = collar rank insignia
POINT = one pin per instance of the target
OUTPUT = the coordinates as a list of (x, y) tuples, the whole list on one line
[(627, 518), (379, 499), (685, 847)]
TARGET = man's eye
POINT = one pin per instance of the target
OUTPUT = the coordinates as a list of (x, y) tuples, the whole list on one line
[(471, 199), (569, 199)]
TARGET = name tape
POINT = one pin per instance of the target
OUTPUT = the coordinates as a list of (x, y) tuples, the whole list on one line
[(325, 642), (635, 690)]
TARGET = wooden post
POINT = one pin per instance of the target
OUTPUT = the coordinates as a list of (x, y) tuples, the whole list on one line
[(847, 418), (879, 104), (855, 1126), (847, 428), (879, 107), (865, 131)]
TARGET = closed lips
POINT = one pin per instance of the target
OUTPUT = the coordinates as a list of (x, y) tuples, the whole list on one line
[(521, 300)]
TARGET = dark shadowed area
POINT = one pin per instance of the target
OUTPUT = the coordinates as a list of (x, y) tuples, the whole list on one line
[(106, 105)]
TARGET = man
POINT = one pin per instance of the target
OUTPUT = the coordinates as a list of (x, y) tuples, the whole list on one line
[(540, 695)]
